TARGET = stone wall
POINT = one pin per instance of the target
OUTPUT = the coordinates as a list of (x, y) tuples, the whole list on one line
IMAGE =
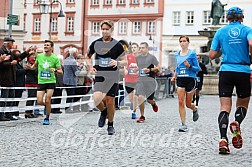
[(210, 85)]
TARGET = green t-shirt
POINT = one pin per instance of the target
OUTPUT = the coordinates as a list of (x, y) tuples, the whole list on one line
[(44, 64)]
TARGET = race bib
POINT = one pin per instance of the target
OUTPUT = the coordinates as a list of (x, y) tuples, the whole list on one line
[(142, 73), (131, 71), (104, 62), (45, 75), (183, 72)]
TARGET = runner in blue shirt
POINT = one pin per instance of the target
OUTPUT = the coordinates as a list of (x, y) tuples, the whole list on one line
[(234, 41), (185, 75)]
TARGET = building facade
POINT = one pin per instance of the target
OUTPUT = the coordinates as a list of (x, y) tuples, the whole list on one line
[(185, 17), (17, 32), (135, 21)]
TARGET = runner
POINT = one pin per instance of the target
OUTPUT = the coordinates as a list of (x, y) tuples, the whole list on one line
[(146, 84), (131, 77), (200, 78), (109, 54), (235, 42), (185, 76), (48, 64)]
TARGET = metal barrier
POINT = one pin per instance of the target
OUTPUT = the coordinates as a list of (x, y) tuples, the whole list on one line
[(169, 87), (21, 108)]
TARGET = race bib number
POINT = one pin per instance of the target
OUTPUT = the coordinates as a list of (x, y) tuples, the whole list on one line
[(45, 75), (142, 73), (183, 72), (104, 62), (131, 71)]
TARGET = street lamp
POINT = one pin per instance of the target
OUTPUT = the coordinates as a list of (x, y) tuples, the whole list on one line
[(152, 39), (44, 8)]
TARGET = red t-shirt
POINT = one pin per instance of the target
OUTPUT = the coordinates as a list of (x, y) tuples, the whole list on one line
[(131, 76)]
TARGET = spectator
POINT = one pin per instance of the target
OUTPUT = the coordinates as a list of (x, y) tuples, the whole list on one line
[(32, 81), (58, 91), (69, 75), (81, 76), (20, 81), (8, 76)]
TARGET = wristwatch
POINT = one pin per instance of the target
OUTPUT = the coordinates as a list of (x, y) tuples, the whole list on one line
[(55, 70)]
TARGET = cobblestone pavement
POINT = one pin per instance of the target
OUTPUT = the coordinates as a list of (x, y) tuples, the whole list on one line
[(75, 140)]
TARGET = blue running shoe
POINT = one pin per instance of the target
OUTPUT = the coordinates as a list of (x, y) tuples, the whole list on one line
[(46, 122), (133, 115), (183, 128)]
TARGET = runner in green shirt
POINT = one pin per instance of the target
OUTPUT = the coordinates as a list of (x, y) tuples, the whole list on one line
[(48, 64)]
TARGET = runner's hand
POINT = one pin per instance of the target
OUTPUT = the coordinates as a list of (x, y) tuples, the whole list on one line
[(92, 71), (113, 63)]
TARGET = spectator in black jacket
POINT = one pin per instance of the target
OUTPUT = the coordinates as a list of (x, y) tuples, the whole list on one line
[(8, 77), (20, 81)]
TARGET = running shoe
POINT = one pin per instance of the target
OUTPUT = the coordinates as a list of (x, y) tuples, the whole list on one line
[(223, 147), (111, 130), (155, 107), (133, 115), (195, 115), (236, 134), (46, 122), (141, 119), (183, 128), (102, 118)]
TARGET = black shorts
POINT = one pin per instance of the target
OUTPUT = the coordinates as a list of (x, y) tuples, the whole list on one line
[(228, 80), (44, 87), (130, 87), (106, 85), (186, 82)]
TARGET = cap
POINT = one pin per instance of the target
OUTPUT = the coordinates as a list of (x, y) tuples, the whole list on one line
[(234, 10), (6, 39)]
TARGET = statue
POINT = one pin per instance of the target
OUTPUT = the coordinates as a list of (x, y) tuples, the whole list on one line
[(217, 11)]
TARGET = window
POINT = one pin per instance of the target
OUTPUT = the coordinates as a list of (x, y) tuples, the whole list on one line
[(207, 19), (149, 1), (135, 1), (70, 24), (54, 24), (176, 18), (189, 17), (123, 27), (70, 1), (151, 27), (121, 1), (96, 27), (108, 2), (37, 25), (223, 19), (136, 27), (95, 2)]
